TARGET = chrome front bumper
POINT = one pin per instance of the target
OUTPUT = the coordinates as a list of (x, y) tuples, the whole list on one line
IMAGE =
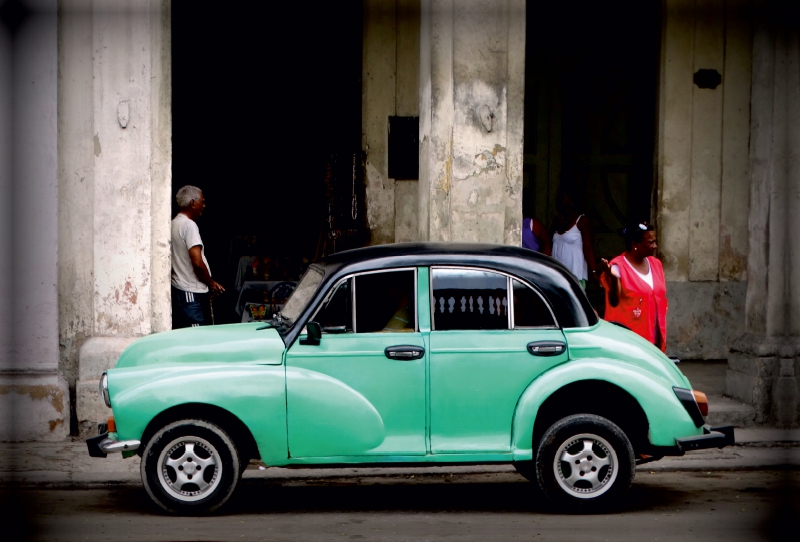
[(102, 445)]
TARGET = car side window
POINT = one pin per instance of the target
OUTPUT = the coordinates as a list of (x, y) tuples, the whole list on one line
[(469, 299), (530, 310), (336, 313), (385, 301)]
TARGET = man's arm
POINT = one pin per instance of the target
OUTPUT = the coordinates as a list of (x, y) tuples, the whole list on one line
[(200, 269)]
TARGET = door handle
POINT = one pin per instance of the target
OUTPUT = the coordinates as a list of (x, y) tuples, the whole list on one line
[(546, 348), (404, 352)]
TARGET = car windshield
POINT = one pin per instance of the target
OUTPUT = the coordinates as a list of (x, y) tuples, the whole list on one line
[(302, 294)]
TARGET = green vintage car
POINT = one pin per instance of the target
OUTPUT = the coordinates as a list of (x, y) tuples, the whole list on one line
[(407, 354)]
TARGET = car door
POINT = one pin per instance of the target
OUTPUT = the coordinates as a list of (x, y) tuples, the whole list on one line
[(491, 336), (361, 390)]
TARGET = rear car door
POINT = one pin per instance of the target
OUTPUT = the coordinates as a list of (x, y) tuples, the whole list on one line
[(491, 336)]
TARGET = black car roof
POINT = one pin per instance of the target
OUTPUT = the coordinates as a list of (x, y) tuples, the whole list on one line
[(565, 294)]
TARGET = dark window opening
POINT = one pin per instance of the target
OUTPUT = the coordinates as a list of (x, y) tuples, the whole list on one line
[(404, 148)]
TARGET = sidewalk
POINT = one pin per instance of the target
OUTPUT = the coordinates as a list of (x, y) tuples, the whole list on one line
[(68, 465)]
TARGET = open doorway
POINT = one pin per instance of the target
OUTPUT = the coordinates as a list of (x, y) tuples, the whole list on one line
[(264, 98), (591, 75)]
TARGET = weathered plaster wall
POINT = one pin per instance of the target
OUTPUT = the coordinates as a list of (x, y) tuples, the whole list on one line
[(34, 399), (115, 159), (389, 88), (704, 138), (765, 360), (703, 177), (472, 97), (705, 318)]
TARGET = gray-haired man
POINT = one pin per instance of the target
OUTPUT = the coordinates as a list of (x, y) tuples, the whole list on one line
[(191, 276)]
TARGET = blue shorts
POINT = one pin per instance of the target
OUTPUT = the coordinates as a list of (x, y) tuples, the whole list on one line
[(189, 309)]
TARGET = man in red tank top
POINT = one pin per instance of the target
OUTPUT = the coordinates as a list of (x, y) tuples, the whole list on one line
[(636, 292)]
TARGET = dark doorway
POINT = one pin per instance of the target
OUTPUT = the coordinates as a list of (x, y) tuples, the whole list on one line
[(262, 95), (590, 111)]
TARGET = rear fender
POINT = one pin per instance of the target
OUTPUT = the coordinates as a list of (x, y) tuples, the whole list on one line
[(666, 416)]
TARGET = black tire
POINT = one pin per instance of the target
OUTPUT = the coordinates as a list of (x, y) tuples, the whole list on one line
[(190, 444), (601, 463)]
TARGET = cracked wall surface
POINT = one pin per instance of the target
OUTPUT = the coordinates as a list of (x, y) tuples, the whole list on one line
[(114, 135), (471, 102)]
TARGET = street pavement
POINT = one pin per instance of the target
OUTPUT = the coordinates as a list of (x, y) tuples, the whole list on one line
[(56, 492), (68, 465)]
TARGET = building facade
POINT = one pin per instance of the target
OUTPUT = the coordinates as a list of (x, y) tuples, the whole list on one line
[(704, 140)]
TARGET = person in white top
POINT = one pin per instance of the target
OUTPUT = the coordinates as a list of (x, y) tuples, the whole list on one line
[(572, 239), (191, 275)]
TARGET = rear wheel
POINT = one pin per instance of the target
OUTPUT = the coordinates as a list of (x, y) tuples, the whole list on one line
[(584, 462), (190, 467)]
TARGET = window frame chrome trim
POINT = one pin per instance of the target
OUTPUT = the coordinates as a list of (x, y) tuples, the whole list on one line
[(353, 293)]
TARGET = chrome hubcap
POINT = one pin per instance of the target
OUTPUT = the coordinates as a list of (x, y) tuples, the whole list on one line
[(585, 466), (189, 468)]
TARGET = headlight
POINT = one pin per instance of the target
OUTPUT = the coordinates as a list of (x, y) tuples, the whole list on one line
[(104, 390)]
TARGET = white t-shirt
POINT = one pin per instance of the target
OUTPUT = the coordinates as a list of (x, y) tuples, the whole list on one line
[(185, 235), (648, 278)]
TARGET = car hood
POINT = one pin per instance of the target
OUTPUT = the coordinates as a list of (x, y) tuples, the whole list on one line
[(235, 343)]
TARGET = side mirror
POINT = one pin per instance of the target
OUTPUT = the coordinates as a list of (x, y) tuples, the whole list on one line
[(313, 334)]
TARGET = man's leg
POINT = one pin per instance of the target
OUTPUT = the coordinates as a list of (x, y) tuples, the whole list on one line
[(187, 309)]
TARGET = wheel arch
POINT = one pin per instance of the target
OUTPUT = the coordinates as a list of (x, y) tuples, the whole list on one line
[(617, 406), (229, 422)]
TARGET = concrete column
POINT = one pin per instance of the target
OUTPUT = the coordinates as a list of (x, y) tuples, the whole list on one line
[(703, 179), (34, 399), (472, 65), (763, 364), (114, 162)]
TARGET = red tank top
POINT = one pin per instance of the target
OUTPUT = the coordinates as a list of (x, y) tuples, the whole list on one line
[(640, 307)]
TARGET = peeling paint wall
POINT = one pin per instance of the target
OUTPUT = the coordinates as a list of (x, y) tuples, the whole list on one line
[(114, 133), (472, 98), (390, 84), (704, 141)]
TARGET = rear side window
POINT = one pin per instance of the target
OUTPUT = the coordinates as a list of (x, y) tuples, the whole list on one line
[(469, 299), (530, 310)]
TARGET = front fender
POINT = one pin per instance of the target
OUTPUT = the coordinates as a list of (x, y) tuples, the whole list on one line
[(256, 394), (666, 416)]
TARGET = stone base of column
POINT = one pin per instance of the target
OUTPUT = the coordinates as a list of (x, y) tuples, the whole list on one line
[(98, 354), (763, 372), (34, 406)]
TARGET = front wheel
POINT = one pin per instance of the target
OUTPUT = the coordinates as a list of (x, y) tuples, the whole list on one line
[(584, 462), (190, 467)]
